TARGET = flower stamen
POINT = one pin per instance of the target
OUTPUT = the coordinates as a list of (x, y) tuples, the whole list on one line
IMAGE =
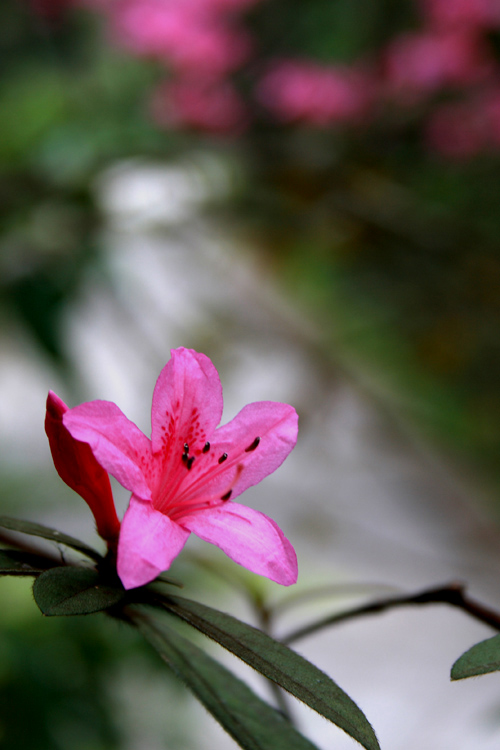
[(253, 445)]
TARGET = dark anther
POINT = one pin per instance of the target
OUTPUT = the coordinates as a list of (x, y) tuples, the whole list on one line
[(253, 446), (186, 448), (206, 448), (227, 495), (184, 457), (222, 458), (190, 462)]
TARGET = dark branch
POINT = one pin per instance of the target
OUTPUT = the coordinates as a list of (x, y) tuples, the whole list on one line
[(453, 594)]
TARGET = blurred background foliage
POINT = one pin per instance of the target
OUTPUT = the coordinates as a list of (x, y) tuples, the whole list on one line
[(85, 683), (392, 244), (387, 237)]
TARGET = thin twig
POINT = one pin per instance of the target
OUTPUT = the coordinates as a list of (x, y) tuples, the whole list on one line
[(452, 593), (301, 597)]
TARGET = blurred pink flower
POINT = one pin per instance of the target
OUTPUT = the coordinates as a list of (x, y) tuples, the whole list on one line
[(465, 14), (463, 129), (213, 106), (421, 63), (459, 130), (184, 479), (493, 108), (229, 8), (318, 95), (190, 35), (52, 10), (77, 466)]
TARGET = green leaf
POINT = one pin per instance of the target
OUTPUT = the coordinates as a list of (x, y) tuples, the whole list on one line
[(252, 722), (163, 578), (17, 563), (280, 664), (74, 591), (36, 529), (482, 658)]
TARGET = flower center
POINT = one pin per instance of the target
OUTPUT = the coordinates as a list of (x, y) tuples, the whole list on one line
[(184, 486)]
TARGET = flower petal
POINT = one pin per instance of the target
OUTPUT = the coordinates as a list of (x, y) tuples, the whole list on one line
[(249, 538), (148, 543), (187, 400), (77, 466), (256, 441), (116, 442)]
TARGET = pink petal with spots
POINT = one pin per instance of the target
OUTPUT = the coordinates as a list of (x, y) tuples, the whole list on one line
[(187, 400), (148, 543), (249, 538), (276, 427), (241, 454), (116, 442)]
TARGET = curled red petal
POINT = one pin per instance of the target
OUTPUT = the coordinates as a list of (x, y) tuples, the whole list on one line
[(77, 466)]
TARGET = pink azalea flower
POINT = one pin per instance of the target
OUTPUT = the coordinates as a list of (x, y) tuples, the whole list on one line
[(467, 14), (298, 90), (463, 129), (77, 467), (191, 36), (211, 106), (423, 62), (456, 131), (186, 477)]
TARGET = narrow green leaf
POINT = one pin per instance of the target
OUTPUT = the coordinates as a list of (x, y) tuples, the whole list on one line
[(18, 563), (163, 578), (482, 658), (74, 591), (280, 664), (252, 722), (36, 529)]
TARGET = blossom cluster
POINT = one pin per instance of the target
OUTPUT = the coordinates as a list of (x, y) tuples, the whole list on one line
[(450, 64), (217, 80), (201, 44)]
